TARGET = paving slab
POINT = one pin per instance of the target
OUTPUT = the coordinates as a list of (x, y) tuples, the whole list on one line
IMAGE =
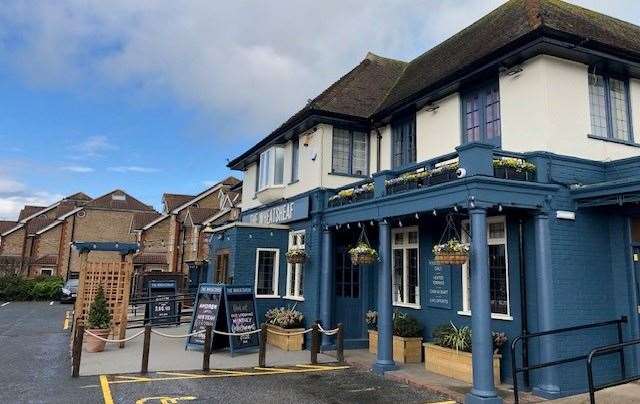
[(166, 354)]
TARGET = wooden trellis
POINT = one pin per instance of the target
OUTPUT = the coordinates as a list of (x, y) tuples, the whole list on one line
[(115, 279)]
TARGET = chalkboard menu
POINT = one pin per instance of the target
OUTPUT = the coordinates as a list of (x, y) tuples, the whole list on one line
[(439, 286), (205, 312), (161, 309), (241, 316)]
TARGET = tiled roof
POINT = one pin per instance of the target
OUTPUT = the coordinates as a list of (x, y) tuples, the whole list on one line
[(29, 210), (172, 201), (38, 223), (50, 259), (505, 25), (6, 225), (148, 258), (79, 196), (118, 199), (199, 215), (142, 219)]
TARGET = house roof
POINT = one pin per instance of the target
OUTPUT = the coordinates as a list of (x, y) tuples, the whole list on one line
[(503, 26), (50, 259), (172, 201), (79, 196), (142, 219), (377, 86), (6, 225), (227, 182), (29, 210), (357, 94), (120, 200), (199, 215)]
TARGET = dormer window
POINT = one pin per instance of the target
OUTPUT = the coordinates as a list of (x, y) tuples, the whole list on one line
[(271, 167)]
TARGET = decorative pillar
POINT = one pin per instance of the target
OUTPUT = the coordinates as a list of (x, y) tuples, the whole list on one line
[(547, 385), (384, 361), (484, 390), (326, 283)]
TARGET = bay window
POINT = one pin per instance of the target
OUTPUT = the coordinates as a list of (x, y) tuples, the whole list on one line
[(350, 150), (271, 167), (498, 269), (609, 107), (295, 272), (406, 267)]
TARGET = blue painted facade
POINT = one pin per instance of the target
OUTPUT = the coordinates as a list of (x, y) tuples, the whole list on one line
[(586, 276)]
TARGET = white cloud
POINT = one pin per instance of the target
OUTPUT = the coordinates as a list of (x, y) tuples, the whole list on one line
[(93, 146), (14, 195), (9, 186), (77, 169), (134, 169)]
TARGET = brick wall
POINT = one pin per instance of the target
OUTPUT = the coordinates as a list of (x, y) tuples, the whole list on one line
[(12, 244)]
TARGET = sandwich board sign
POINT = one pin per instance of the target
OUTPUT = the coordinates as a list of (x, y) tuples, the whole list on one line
[(162, 309), (240, 308), (205, 312)]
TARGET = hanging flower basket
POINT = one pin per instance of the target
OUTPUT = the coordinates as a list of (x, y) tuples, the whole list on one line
[(363, 254), (453, 252), (296, 256)]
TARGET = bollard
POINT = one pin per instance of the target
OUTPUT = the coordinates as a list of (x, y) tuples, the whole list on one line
[(315, 343), (340, 343), (77, 349), (262, 355), (206, 352), (145, 349)]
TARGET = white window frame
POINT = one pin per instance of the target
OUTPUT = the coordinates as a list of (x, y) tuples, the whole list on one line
[(50, 269), (405, 264), (270, 168), (466, 299), (295, 270), (276, 273)]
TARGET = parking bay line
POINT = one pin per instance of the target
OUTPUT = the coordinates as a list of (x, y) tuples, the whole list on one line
[(106, 391), (4, 304)]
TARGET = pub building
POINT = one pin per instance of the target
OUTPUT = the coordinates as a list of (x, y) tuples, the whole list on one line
[(520, 134)]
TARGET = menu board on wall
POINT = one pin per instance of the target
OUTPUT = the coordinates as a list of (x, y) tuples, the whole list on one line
[(241, 316), (205, 312), (439, 286)]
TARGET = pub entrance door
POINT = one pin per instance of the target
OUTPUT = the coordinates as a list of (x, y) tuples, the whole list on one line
[(350, 302)]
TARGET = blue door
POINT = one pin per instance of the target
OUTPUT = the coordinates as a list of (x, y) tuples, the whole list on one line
[(349, 301)]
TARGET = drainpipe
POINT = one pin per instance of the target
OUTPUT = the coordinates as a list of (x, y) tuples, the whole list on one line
[(523, 302), (73, 233)]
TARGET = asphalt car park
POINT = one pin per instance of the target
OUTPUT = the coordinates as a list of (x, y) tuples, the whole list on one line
[(34, 346)]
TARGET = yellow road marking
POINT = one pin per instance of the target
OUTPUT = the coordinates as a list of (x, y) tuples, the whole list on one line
[(277, 370), (230, 372), (65, 325), (444, 402), (137, 378), (166, 400), (106, 391), (321, 367)]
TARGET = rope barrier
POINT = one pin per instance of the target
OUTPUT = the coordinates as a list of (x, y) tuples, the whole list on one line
[(113, 340), (233, 334), (328, 332), (177, 336), (289, 333)]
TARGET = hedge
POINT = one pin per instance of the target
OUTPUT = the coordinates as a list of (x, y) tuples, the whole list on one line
[(13, 287)]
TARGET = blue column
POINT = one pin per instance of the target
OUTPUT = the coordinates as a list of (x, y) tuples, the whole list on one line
[(484, 390), (547, 385), (384, 361), (326, 283)]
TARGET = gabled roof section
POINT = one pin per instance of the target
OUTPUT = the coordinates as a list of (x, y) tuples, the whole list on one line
[(118, 200), (200, 215), (79, 196), (6, 225), (141, 219), (36, 224), (357, 94), (503, 26), (29, 210), (226, 183), (172, 201)]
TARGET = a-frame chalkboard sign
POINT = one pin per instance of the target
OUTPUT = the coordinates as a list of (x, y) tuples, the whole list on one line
[(216, 303)]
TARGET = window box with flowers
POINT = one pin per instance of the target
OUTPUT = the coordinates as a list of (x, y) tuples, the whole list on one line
[(407, 337), (285, 327), (511, 168), (407, 181), (352, 195), (444, 174), (449, 352)]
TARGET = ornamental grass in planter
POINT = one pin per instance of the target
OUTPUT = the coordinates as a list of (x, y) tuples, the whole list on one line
[(453, 252), (449, 353), (407, 337), (98, 322), (511, 168), (285, 325)]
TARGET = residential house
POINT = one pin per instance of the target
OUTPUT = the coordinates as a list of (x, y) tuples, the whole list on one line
[(407, 155)]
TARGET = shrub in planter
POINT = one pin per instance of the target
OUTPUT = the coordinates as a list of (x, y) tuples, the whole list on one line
[(453, 252), (513, 169), (98, 322), (407, 337), (283, 323)]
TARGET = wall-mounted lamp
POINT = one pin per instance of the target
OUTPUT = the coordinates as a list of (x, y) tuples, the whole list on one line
[(400, 223), (431, 107), (417, 216), (434, 213), (499, 207)]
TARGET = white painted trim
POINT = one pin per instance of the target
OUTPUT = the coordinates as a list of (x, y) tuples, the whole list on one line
[(296, 298), (38, 213), (494, 316), (276, 273), (408, 306), (405, 263), (216, 216), (252, 225), (156, 221), (293, 268), (6, 233)]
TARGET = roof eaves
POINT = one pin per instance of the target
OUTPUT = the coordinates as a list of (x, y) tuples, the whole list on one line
[(156, 221)]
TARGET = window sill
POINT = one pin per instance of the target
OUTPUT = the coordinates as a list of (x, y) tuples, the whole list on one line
[(619, 141), (267, 297), (494, 316), (348, 175), (296, 298), (294, 182), (408, 306)]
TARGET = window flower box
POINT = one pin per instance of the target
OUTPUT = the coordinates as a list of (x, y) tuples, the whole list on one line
[(286, 342), (405, 350), (454, 363), (509, 168), (444, 174)]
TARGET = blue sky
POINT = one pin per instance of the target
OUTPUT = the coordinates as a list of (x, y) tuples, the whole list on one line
[(153, 96)]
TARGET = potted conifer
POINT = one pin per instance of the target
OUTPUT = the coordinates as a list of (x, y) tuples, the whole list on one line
[(98, 322)]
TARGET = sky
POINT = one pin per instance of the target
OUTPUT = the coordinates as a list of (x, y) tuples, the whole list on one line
[(153, 96)]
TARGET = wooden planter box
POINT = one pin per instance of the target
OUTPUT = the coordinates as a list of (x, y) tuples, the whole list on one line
[(285, 342), (454, 364), (509, 173), (405, 350)]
